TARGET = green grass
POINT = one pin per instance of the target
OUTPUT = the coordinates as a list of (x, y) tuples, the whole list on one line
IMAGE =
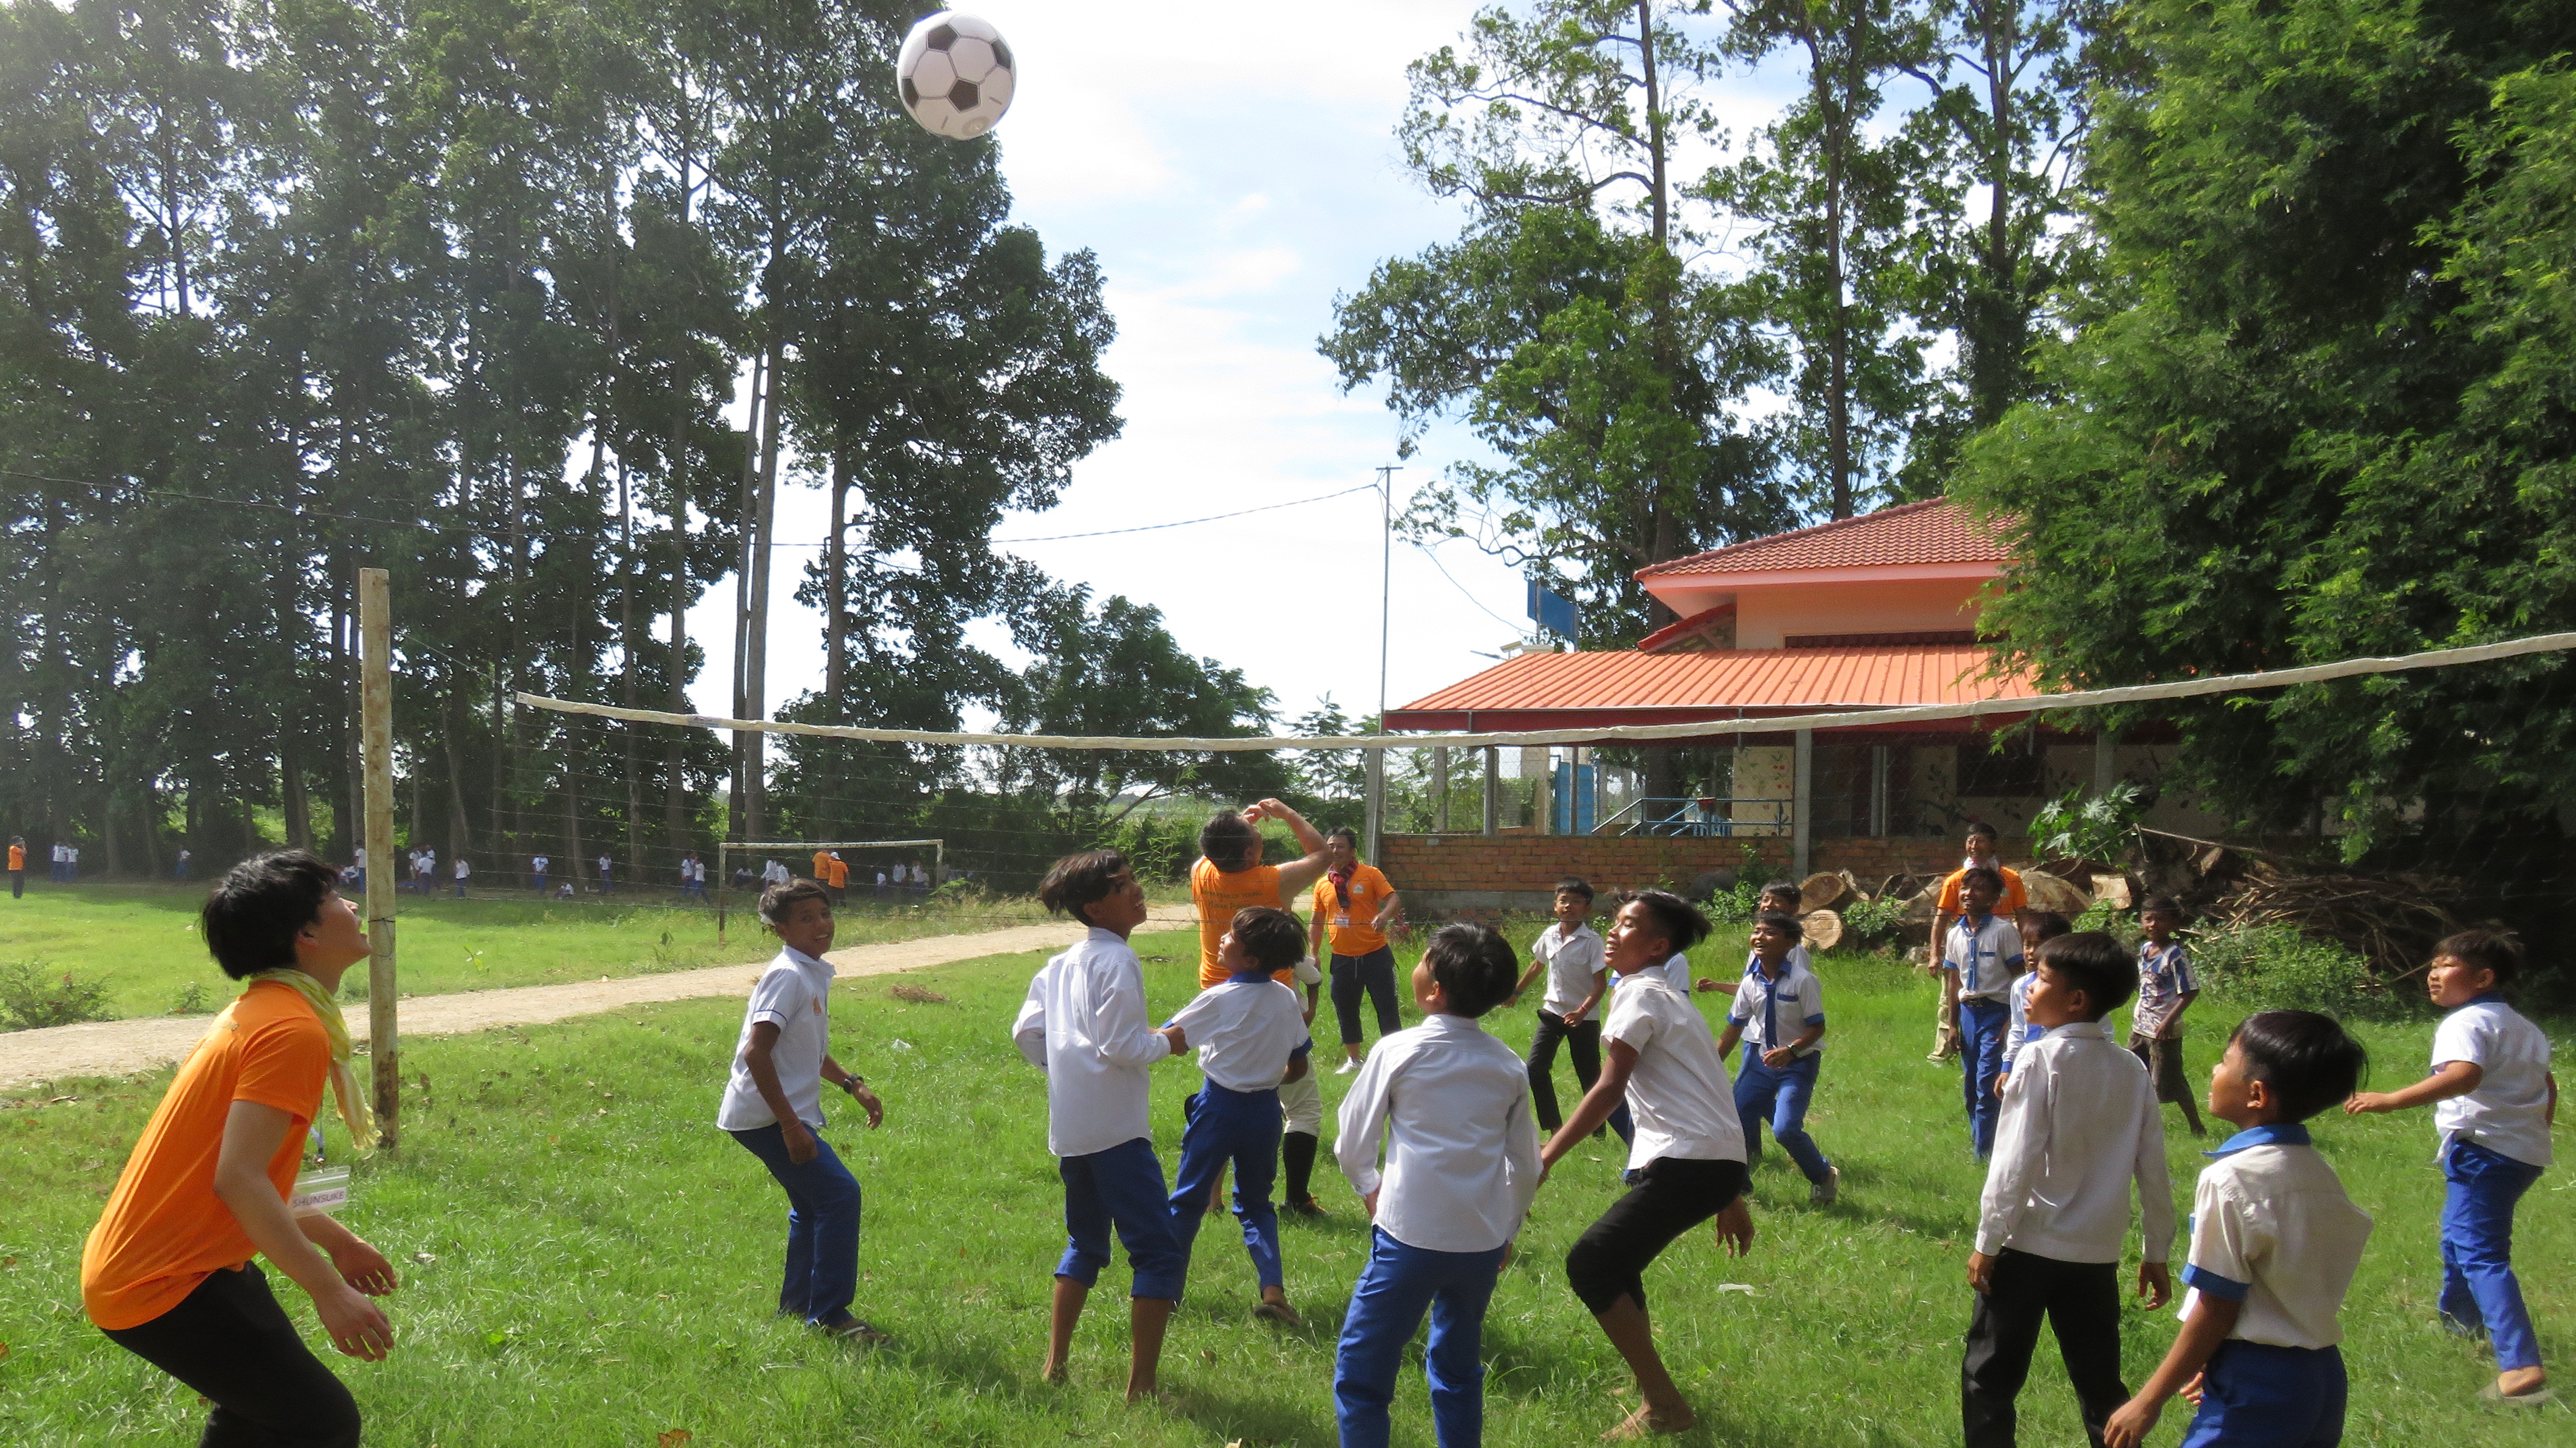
[(595, 1261), (142, 941)]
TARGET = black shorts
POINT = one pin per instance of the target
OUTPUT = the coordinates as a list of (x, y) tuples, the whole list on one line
[(1672, 1195)]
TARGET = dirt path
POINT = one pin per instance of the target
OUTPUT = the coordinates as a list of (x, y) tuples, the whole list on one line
[(118, 1048)]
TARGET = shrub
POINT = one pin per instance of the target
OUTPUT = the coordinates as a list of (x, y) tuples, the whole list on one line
[(191, 1000), (32, 998), (2274, 967), (1874, 924), (1735, 907)]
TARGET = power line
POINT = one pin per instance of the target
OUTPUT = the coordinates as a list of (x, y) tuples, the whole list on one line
[(1462, 589), (1186, 522)]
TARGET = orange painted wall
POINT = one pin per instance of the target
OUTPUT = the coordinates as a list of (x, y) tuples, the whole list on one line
[(1764, 616)]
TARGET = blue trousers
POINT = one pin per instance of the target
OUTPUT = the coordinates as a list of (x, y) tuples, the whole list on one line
[(1122, 1188), (2478, 1285), (1241, 1127), (1782, 1096), (822, 1272), (1982, 1025), (2255, 1395), (541, 882), (1395, 1287)]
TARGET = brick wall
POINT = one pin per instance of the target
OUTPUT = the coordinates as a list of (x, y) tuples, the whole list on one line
[(1476, 874)]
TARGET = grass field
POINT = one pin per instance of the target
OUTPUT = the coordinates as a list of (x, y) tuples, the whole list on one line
[(588, 1261)]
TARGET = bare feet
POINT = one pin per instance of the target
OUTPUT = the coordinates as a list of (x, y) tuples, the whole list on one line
[(1054, 1373), (1647, 1421)]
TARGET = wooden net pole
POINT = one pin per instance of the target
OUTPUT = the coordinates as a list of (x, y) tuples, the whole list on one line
[(376, 708)]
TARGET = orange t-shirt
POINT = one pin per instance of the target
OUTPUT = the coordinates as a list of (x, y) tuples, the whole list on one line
[(1353, 927), (840, 875), (1218, 895), (164, 1228), (2015, 898), (823, 867), (17, 857)]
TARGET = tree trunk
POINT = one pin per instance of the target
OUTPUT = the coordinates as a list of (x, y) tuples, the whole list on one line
[(755, 667), (737, 798), (626, 657), (460, 836)]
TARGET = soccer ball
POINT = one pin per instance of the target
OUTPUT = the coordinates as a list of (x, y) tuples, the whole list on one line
[(956, 74)]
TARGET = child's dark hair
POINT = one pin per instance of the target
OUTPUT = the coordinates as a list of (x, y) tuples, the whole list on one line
[(2307, 1059), (252, 916), (1981, 875), (1781, 887), (1474, 967), (1572, 886), (1784, 922), (2496, 950), (1680, 921), (1271, 936), (2095, 964), (1079, 880), (1229, 841), (2045, 925), (2165, 904), (779, 901), (1977, 828)]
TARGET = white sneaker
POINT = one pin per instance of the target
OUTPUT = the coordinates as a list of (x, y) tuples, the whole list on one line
[(1347, 1067), (1822, 1193)]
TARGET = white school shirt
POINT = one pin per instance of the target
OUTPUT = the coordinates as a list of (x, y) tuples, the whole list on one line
[(605, 863), (463, 869), (2017, 1034), (1777, 1012), (1462, 1149), (1986, 958), (2079, 1125), (538, 865), (1573, 964), (1797, 956), (2272, 1229), (1246, 1029), (1674, 972), (2164, 978), (1084, 1024), (1680, 1093), (358, 858), (793, 994), (2509, 1112)]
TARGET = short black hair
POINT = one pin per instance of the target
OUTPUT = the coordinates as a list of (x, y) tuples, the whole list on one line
[(2165, 903), (1980, 827), (1987, 873), (2095, 964), (1271, 936), (1679, 919), (2046, 925), (1783, 921), (1473, 966), (2496, 950), (1789, 888), (1572, 886), (1229, 841), (779, 901), (2305, 1057), (1079, 880), (252, 916), (1344, 832)]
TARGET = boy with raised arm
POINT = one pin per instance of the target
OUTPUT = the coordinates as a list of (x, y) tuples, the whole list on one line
[(1779, 1013), (2079, 1126), (1084, 1024)]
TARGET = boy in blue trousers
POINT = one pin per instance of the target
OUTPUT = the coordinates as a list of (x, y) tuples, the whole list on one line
[(1250, 1033), (1982, 953), (2494, 1100), (1461, 1167), (1779, 1012)]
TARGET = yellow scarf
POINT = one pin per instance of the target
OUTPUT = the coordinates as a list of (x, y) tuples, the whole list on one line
[(344, 1081)]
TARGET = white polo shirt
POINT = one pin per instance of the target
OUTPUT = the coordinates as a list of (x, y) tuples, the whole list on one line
[(1461, 1147), (2079, 1125), (2509, 1112), (2017, 1032), (1987, 957), (1777, 1012), (1246, 1029), (1084, 1024), (2272, 1229), (793, 994), (1680, 1094), (1573, 964), (538, 865), (1675, 972)]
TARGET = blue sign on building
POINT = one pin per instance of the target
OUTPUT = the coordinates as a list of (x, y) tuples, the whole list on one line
[(1554, 612)]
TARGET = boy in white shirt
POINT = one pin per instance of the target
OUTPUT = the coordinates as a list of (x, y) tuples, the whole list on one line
[(1686, 1164), (2274, 1243), (1578, 976), (773, 1106), (2495, 1100), (1084, 1024), (2038, 927), (1980, 956), (1461, 1167), (1779, 1013), (2079, 1126), (464, 872), (537, 867), (1250, 1036)]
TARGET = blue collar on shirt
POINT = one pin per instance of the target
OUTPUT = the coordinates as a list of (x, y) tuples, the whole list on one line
[(2484, 998), (1254, 976), (2279, 1133)]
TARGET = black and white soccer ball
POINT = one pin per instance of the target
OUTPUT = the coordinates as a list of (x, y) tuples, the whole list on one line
[(956, 74)]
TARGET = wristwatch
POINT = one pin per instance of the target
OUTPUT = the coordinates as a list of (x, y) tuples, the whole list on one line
[(852, 1082)]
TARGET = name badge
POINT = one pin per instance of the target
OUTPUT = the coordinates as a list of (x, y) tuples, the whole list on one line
[(320, 1192), (1343, 921)]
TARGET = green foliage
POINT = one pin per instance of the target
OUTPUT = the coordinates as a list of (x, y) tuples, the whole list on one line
[(2108, 919), (2083, 825), (191, 1000), (1874, 923), (2274, 967), (33, 996)]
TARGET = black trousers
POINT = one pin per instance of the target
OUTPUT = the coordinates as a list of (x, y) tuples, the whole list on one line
[(2082, 1303), (2162, 1056), (1375, 973), (1670, 1197), (231, 1342), (1582, 1043)]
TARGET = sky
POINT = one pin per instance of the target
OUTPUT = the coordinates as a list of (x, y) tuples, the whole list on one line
[(1234, 170)]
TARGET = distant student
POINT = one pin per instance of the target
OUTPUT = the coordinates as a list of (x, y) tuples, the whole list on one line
[(773, 1105), (17, 867), (2166, 988), (1979, 959), (1084, 1024), (167, 1272), (1461, 1166), (840, 879), (54, 864), (1354, 909), (2494, 1100), (1779, 1013), (1250, 1035), (2038, 927), (2274, 1243), (357, 874), (464, 871), (823, 868), (179, 866), (881, 882), (1686, 1164), (1570, 954), (2080, 1125), (71, 864), (1949, 903), (537, 867), (428, 883), (608, 875)]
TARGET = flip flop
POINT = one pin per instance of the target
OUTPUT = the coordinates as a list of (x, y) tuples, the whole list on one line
[(2529, 1398)]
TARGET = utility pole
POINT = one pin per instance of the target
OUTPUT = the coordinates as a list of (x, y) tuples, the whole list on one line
[(1385, 596), (376, 728)]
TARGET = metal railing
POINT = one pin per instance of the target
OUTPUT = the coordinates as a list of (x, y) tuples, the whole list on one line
[(1699, 815)]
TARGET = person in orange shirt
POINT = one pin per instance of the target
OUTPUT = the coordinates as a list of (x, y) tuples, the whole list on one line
[(838, 878), (823, 868), (1228, 877), (1355, 907), (17, 867), (166, 1273), (1981, 844)]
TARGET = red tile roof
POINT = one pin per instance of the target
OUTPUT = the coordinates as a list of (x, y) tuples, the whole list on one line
[(1935, 530), (1570, 690)]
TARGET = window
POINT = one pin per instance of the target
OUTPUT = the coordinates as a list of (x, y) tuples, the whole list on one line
[(2019, 771)]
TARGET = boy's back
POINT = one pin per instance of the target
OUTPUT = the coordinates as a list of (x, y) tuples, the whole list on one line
[(2508, 1112), (1462, 1154), (1245, 1031), (1084, 1024), (2272, 1228), (2079, 1126)]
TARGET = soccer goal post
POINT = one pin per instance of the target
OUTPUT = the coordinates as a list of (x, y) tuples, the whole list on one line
[(726, 850)]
